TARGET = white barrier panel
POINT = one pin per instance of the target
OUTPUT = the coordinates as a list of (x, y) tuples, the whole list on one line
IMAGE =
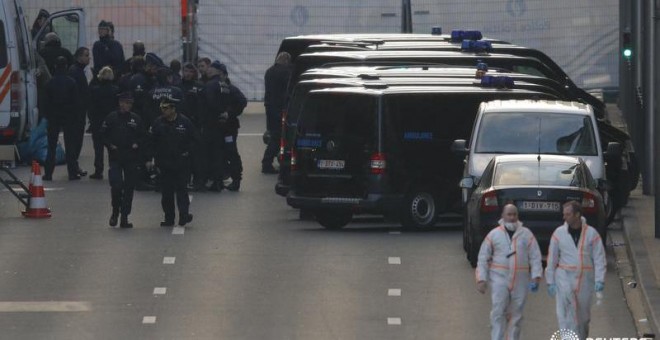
[(581, 36)]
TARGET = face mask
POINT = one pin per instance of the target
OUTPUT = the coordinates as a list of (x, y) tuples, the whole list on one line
[(510, 226)]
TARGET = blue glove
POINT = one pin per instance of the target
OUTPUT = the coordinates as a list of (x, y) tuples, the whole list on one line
[(599, 286), (552, 290), (534, 286)]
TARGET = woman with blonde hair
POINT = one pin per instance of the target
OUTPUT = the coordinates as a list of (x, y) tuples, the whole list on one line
[(104, 101)]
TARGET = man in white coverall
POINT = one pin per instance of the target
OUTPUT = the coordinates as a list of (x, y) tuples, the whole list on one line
[(576, 268), (510, 261)]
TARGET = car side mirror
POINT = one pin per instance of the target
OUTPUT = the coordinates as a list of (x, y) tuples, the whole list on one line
[(614, 151), (459, 147), (467, 183)]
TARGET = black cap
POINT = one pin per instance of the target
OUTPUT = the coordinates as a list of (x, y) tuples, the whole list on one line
[(104, 24), (125, 96), (219, 66), (152, 58)]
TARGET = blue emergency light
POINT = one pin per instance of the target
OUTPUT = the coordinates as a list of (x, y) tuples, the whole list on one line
[(482, 67), (460, 35), (478, 46), (436, 30), (497, 82)]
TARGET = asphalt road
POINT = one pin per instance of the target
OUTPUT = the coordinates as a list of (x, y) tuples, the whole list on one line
[(246, 268)]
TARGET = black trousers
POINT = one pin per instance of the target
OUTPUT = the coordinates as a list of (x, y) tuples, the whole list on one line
[(79, 134), (99, 149), (55, 126), (272, 149), (200, 161), (233, 165), (122, 177), (174, 182)]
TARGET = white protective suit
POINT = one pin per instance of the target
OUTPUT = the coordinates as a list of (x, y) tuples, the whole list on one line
[(575, 270), (506, 264)]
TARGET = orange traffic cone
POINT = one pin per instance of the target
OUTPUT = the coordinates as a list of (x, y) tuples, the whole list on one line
[(37, 208)]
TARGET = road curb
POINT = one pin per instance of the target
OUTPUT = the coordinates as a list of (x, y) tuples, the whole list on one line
[(642, 267)]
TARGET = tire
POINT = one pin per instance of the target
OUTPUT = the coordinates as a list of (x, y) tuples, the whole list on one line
[(333, 219), (610, 209), (419, 210), (465, 232), (473, 249)]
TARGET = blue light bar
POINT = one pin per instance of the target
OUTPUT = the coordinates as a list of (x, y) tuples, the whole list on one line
[(478, 46), (436, 30), (497, 82), (460, 35)]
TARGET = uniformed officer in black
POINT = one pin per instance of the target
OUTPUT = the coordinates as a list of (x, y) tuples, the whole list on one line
[(163, 88), (224, 103), (62, 100), (193, 109), (171, 140), (124, 136), (276, 81)]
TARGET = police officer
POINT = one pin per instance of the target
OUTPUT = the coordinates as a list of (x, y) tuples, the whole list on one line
[(193, 109), (171, 138), (163, 88), (276, 81), (143, 82), (61, 104), (224, 103), (123, 134), (53, 50), (104, 101), (107, 51), (77, 72)]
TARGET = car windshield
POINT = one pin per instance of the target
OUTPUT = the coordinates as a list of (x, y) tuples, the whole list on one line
[(529, 133), (535, 173)]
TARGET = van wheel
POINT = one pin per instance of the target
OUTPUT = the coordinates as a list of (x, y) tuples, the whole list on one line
[(465, 232), (474, 246), (610, 209), (333, 219), (419, 210)]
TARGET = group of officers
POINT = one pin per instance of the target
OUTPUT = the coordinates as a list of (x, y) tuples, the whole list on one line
[(179, 122), (510, 263)]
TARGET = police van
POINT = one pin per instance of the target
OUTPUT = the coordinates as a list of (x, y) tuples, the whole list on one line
[(291, 115), (18, 64), (384, 150)]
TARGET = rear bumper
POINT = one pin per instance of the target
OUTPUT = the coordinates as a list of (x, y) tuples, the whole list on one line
[(373, 203), (282, 189)]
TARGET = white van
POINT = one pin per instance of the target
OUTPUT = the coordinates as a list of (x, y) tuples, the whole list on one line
[(18, 64), (534, 127)]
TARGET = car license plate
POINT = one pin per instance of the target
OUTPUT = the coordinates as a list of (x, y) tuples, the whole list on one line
[(331, 164), (540, 206)]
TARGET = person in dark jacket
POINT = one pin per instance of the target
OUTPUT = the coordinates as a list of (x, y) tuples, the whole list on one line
[(124, 136), (139, 50), (39, 22), (162, 89), (224, 102), (175, 66), (52, 50), (61, 104), (107, 51), (77, 72), (104, 101), (171, 141), (276, 82), (193, 109), (203, 65)]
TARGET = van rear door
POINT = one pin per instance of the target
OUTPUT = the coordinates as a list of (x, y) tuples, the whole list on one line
[(337, 137)]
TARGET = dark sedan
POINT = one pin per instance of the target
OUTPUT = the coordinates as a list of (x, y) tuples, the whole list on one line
[(538, 185)]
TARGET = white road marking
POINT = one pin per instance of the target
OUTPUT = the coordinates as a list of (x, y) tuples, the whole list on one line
[(394, 292), (394, 321), (44, 306), (190, 198), (169, 260), (250, 134), (395, 233), (160, 290), (45, 189), (149, 320), (394, 260), (178, 230)]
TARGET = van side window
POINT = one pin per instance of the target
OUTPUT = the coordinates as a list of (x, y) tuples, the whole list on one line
[(3, 45), (66, 28)]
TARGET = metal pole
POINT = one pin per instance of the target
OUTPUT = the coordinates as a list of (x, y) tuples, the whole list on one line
[(406, 16), (649, 93), (626, 77), (656, 122)]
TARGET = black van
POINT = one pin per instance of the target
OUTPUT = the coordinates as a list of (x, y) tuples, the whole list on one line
[(290, 116), (384, 150)]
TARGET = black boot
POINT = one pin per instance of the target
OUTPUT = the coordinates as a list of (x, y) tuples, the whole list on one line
[(185, 219), (124, 222), (235, 185), (217, 186), (167, 223), (114, 217)]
